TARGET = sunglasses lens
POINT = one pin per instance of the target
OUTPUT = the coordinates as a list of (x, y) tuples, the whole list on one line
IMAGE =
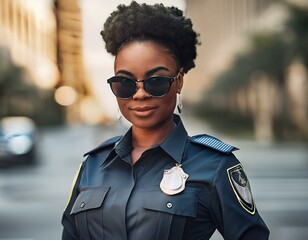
[(123, 87), (157, 86)]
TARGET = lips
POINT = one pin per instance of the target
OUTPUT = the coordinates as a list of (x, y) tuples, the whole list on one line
[(143, 111)]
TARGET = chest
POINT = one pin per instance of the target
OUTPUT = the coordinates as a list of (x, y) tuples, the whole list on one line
[(116, 199)]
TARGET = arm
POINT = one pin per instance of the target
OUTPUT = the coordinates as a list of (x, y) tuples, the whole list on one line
[(232, 204), (68, 221)]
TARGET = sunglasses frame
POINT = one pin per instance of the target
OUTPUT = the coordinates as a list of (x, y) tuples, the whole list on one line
[(170, 80)]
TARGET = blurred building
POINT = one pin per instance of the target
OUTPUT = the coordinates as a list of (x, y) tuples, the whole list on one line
[(28, 29), (45, 37), (223, 26), (277, 105), (73, 88)]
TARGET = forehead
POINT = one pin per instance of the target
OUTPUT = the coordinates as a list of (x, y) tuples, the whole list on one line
[(144, 54)]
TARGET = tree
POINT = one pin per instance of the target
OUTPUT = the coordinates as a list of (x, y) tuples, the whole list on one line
[(269, 56)]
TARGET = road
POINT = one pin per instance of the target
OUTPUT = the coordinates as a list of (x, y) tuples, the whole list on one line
[(32, 198)]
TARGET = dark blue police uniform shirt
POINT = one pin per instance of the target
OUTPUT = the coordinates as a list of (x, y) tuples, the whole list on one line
[(115, 200)]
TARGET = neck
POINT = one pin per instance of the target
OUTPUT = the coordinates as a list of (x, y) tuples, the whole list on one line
[(143, 138)]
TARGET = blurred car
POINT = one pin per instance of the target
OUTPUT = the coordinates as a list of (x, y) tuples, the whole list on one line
[(17, 140)]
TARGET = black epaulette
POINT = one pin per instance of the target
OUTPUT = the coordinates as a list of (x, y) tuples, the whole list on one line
[(107, 143), (214, 143)]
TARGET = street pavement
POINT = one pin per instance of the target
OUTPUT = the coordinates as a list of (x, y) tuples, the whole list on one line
[(32, 198)]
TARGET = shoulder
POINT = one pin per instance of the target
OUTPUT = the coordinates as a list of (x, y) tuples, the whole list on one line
[(208, 141), (108, 143)]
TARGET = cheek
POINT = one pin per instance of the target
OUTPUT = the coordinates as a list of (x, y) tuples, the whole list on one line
[(121, 104), (171, 99)]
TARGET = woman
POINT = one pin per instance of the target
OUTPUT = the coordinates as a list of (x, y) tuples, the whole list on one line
[(156, 182)]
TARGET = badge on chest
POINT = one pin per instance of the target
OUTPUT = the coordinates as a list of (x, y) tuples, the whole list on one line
[(174, 180)]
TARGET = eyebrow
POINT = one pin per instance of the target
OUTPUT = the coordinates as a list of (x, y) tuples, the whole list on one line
[(148, 73)]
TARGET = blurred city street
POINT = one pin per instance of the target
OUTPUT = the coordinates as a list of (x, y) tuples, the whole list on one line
[(32, 198), (251, 77)]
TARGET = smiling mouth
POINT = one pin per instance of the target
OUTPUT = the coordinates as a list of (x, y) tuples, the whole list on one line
[(143, 111)]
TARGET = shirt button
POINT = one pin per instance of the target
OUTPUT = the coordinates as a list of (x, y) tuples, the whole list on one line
[(82, 204), (169, 205)]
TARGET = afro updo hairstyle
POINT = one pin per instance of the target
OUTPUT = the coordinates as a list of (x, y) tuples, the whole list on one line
[(164, 25)]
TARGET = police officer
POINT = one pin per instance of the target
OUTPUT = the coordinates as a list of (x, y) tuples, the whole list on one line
[(156, 181)]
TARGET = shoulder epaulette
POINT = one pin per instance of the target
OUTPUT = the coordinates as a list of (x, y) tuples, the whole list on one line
[(107, 143), (214, 143)]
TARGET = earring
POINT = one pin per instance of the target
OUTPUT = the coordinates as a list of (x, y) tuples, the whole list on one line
[(118, 114), (180, 104)]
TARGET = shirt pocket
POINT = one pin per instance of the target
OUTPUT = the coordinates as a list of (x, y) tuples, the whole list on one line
[(170, 212), (182, 204), (88, 212)]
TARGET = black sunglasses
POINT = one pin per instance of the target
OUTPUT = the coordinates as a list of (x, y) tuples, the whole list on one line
[(156, 86)]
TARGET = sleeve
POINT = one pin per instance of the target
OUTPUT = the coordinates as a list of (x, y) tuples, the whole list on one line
[(232, 205), (68, 221)]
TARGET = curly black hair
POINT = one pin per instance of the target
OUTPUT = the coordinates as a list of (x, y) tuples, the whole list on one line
[(165, 25)]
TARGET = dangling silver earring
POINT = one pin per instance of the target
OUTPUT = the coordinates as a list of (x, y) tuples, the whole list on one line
[(180, 104), (118, 114)]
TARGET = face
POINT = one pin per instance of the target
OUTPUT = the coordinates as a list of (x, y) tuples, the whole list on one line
[(139, 61)]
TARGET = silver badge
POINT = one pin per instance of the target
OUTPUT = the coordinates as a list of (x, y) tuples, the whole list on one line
[(174, 180)]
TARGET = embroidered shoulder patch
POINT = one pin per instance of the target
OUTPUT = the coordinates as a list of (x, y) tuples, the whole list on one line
[(213, 143), (241, 187)]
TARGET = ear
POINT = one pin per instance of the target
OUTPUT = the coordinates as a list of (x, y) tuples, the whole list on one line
[(180, 81)]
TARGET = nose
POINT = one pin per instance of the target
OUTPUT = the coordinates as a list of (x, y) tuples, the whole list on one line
[(141, 93)]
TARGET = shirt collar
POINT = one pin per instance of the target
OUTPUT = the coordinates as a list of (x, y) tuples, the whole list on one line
[(174, 144), (124, 146)]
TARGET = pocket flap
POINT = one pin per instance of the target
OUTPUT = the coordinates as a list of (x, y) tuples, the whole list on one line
[(89, 198), (184, 203)]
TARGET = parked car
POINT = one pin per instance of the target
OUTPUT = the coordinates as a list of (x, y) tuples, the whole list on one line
[(17, 140)]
